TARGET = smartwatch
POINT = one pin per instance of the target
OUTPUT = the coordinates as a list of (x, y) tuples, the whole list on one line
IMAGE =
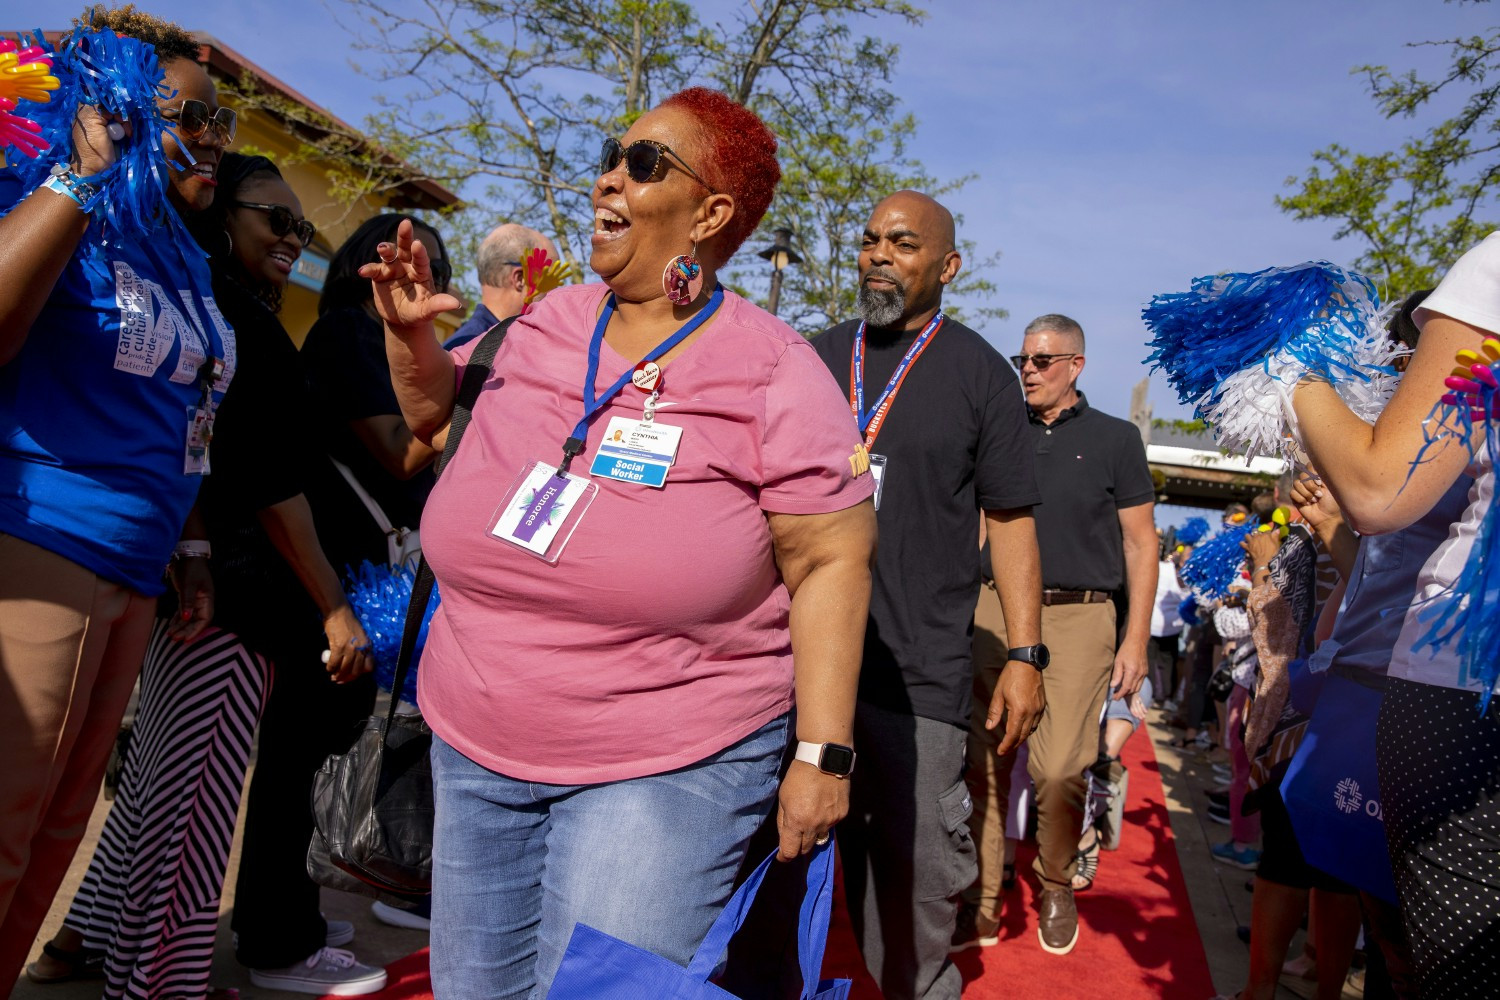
[(830, 758), (1038, 656)]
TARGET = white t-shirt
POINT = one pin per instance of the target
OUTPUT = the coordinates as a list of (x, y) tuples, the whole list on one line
[(1470, 293), (1165, 619)]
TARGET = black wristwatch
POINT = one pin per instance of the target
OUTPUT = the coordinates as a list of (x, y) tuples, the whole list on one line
[(1038, 656)]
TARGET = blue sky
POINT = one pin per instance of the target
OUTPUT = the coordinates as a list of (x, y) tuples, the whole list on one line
[(1121, 149)]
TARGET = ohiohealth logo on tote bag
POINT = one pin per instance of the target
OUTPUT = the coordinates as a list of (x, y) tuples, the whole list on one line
[(597, 966), (1332, 789)]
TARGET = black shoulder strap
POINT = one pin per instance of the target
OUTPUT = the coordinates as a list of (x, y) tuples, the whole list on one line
[(476, 373)]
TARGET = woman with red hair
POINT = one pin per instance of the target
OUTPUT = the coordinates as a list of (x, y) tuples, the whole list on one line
[(610, 674)]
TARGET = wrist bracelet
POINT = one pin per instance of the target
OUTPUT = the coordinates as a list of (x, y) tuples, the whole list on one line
[(65, 182), (197, 549)]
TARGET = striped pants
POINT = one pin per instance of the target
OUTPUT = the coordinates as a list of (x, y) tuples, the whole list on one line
[(150, 898)]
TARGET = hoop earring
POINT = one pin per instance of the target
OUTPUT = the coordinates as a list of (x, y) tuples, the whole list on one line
[(683, 277), (228, 243)]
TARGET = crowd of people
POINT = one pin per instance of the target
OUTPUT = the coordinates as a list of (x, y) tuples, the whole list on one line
[(710, 589)]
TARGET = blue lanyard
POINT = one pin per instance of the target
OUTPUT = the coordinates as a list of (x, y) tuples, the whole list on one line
[(857, 374), (593, 404)]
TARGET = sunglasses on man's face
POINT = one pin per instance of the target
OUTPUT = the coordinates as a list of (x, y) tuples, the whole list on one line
[(193, 121), (644, 160), (1040, 361), (283, 221)]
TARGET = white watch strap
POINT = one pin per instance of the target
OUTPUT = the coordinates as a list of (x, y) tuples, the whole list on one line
[(810, 753)]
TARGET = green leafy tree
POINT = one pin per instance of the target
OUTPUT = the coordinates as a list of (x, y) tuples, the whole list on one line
[(506, 101), (844, 145), (1416, 208)]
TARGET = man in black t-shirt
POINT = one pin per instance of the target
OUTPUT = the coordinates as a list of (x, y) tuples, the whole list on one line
[(1097, 533), (945, 429)]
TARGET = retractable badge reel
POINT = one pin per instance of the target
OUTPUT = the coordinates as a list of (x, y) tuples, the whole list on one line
[(643, 451)]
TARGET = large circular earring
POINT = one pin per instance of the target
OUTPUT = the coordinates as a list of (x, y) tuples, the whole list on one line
[(683, 278), (228, 243)]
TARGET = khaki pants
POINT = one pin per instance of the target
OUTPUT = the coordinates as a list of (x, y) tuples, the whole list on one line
[(71, 646), (1081, 638)]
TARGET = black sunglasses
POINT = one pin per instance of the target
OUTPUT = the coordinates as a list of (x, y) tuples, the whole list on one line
[(643, 160), (193, 120), (1041, 361), (283, 221)]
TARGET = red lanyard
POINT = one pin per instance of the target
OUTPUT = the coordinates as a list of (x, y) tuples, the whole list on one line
[(870, 421)]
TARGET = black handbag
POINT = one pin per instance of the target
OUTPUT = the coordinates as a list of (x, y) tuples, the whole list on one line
[(373, 806)]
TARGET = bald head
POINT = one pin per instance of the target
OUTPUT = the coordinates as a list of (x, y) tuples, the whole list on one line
[(906, 257), (933, 220)]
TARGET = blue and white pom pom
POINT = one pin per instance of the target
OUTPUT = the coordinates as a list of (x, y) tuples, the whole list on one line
[(380, 596), (1235, 345), (124, 77), (1216, 564), (1468, 613), (1192, 531)]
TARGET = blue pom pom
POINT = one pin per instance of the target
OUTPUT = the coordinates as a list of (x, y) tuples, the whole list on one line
[(380, 596), (1217, 563), (1235, 345), (1469, 612), (1192, 531), (1230, 322), (1188, 611), (124, 77)]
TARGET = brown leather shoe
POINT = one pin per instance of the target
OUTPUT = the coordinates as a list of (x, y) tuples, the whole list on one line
[(1058, 924)]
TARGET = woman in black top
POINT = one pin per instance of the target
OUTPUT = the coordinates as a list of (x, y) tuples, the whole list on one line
[(360, 422), (147, 911), (357, 422)]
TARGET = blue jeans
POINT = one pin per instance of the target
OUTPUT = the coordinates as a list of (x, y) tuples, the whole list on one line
[(651, 861)]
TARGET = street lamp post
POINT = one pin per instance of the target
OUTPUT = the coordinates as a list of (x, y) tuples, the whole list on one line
[(780, 254)]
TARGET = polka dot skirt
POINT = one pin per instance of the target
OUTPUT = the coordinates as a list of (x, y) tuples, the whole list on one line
[(1440, 795)]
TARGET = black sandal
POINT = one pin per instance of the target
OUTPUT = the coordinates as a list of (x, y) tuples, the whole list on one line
[(1008, 876), (85, 963), (1088, 863)]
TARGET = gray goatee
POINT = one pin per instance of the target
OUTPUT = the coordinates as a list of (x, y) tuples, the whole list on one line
[(880, 309)]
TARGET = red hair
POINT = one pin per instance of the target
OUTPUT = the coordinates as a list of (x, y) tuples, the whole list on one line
[(740, 158)]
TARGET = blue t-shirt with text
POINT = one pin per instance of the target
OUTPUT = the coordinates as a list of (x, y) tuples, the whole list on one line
[(94, 410)]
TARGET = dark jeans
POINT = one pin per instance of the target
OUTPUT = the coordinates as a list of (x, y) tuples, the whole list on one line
[(1200, 708), (308, 717), (906, 854), (1161, 653)]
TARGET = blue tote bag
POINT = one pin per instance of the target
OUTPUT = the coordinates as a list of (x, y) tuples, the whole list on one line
[(1332, 789), (597, 966)]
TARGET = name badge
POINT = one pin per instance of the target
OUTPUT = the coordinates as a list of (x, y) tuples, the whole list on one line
[(877, 469), (637, 451), (542, 509), (200, 430)]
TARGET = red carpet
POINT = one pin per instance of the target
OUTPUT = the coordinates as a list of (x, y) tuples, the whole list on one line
[(1138, 937)]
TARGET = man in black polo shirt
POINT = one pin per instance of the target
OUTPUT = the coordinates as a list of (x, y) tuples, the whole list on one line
[(945, 428), (1096, 530)]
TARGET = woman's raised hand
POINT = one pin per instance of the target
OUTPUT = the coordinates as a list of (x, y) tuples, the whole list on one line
[(404, 293), (94, 147)]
